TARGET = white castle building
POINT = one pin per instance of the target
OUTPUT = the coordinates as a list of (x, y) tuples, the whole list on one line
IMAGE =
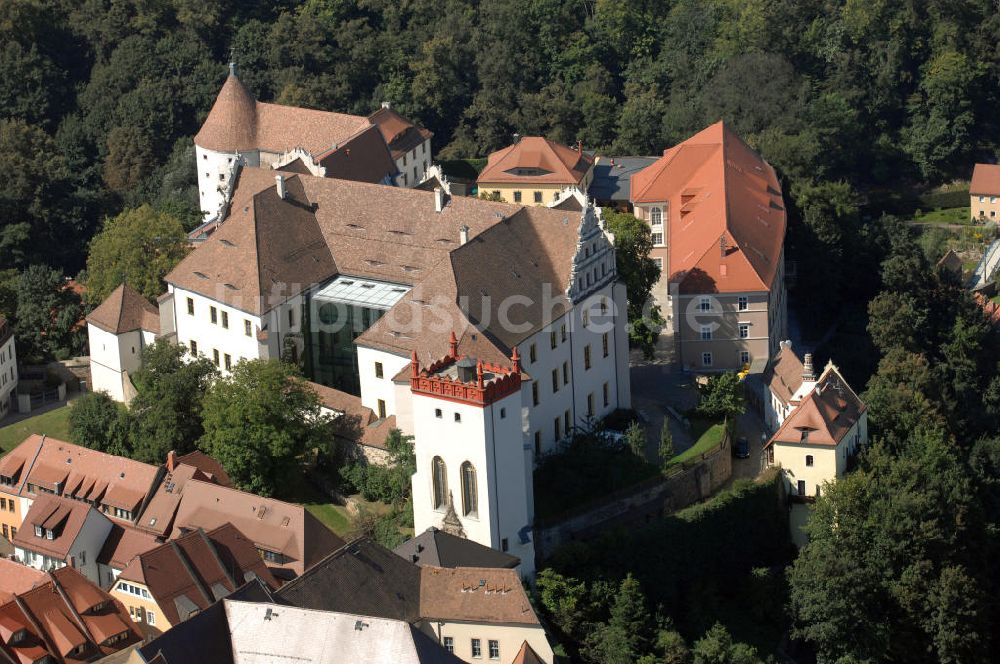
[(381, 148), (489, 331)]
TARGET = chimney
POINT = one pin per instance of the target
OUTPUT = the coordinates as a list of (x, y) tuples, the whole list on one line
[(579, 147), (463, 234), (232, 69), (517, 138), (807, 369), (280, 184), (171, 461), (386, 104), (438, 199)]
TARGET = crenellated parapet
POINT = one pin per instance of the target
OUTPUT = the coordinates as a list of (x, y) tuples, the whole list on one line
[(464, 379)]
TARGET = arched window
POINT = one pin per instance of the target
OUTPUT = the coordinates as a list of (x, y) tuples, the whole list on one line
[(470, 495), (439, 475), (655, 216)]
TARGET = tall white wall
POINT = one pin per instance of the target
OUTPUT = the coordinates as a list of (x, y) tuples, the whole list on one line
[(111, 355), (8, 376), (374, 388), (209, 336), (414, 165)]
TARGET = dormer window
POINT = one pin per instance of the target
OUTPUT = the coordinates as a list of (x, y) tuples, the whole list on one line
[(39, 531)]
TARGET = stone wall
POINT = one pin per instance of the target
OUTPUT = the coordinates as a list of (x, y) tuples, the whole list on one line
[(642, 503)]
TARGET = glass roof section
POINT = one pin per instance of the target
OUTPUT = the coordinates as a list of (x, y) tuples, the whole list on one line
[(362, 292)]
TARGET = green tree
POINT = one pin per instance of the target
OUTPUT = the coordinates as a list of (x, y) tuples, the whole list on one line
[(389, 483), (47, 315), (564, 599), (139, 247), (258, 423), (722, 397), (635, 439), (99, 422), (666, 449), (626, 635), (717, 647), (633, 243), (170, 387)]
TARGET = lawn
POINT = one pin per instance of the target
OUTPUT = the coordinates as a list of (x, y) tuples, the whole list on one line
[(707, 434), (333, 516), (54, 423), (957, 215)]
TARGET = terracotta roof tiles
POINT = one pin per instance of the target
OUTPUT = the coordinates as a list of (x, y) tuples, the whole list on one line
[(545, 161), (985, 180), (125, 310), (474, 594), (825, 415)]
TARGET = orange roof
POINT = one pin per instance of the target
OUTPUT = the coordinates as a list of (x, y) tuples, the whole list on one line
[(985, 180), (16, 578), (125, 310), (527, 656), (825, 415), (725, 215), (399, 134), (239, 123), (545, 162)]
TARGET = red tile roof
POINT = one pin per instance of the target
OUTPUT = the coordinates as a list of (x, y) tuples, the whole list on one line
[(239, 123), (16, 578), (474, 594), (825, 415), (400, 134), (725, 214), (546, 162), (526, 655), (985, 180), (125, 310), (193, 571), (57, 617), (124, 543)]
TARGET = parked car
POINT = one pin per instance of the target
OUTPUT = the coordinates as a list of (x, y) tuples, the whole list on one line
[(741, 450)]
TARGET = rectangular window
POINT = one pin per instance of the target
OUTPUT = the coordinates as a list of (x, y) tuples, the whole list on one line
[(604, 389), (150, 618), (194, 348), (190, 307), (657, 239), (228, 361), (534, 393), (706, 359), (437, 413), (381, 409), (706, 332), (378, 369), (555, 380), (517, 197), (291, 318), (585, 317), (705, 304), (552, 338), (225, 320), (532, 354), (604, 344), (458, 417), (590, 405), (213, 314), (538, 197), (476, 649), (744, 330), (494, 649), (538, 444), (558, 425), (565, 373), (744, 357), (659, 264), (215, 356), (247, 328), (809, 460), (801, 486), (566, 420), (449, 644), (743, 303), (586, 357), (562, 332)]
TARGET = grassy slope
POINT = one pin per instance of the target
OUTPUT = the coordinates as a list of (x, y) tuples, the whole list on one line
[(54, 423)]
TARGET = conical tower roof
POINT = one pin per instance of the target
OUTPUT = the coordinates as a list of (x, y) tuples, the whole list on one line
[(231, 125)]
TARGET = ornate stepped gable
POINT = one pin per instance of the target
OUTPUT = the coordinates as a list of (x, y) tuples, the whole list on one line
[(502, 381)]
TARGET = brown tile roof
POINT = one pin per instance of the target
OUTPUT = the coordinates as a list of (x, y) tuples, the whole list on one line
[(783, 374), (719, 192), (527, 656), (985, 180), (549, 163), (825, 415), (400, 134), (16, 578), (124, 543), (474, 594), (237, 122), (62, 516), (365, 158), (211, 470), (124, 311), (192, 572), (65, 613), (158, 517), (272, 525), (83, 473)]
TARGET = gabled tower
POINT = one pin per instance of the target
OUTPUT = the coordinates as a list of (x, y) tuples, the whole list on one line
[(473, 473)]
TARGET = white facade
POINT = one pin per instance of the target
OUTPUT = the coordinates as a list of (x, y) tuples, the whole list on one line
[(112, 356), (376, 369), (82, 553), (224, 334), (8, 376), (413, 165), (487, 438), (508, 638)]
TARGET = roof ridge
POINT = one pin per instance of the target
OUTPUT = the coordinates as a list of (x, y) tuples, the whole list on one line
[(76, 615), (210, 544), (187, 568)]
